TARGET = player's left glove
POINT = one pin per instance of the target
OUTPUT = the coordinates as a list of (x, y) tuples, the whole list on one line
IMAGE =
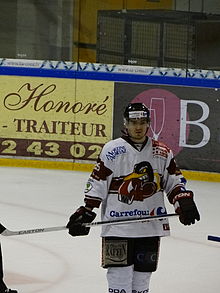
[(82, 215), (186, 207)]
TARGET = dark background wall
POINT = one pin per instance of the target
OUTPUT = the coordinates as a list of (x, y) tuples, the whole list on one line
[(36, 29)]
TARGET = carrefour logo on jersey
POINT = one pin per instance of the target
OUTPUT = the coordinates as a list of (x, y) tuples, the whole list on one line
[(135, 212), (111, 155)]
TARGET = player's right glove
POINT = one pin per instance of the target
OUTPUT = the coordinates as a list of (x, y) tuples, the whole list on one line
[(186, 207), (82, 215)]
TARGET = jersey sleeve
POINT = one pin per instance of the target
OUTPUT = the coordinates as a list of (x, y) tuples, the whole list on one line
[(99, 180), (173, 180)]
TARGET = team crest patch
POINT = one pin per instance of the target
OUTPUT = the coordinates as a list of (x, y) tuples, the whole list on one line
[(139, 184), (88, 187)]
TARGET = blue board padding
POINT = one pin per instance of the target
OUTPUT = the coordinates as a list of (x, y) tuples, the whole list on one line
[(110, 76)]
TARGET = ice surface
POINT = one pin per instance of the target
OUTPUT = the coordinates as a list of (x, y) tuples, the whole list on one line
[(55, 262)]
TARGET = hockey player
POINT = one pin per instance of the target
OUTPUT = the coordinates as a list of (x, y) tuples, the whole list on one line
[(3, 287), (130, 179)]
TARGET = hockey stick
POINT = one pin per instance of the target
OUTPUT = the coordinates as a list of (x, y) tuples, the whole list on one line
[(5, 232), (213, 238), (128, 221)]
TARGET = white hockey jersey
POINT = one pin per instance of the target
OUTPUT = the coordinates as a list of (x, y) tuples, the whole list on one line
[(131, 183)]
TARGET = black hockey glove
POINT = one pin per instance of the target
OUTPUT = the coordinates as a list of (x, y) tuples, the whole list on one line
[(186, 208), (82, 215)]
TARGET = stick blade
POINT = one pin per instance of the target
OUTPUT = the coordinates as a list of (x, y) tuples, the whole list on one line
[(2, 228)]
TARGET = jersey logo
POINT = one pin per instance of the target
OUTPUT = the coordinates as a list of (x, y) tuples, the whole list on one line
[(139, 184), (111, 155)]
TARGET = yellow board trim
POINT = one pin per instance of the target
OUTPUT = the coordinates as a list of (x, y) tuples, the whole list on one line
[(190, 175), (46, 164), (201, 176)]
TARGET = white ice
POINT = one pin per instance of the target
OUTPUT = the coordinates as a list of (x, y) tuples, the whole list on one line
[(55, 262)]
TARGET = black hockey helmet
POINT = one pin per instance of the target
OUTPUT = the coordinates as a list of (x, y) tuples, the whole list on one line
[(136, 111)]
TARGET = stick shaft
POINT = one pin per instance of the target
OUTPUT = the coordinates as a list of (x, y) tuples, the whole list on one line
[(214, 238), (129, 221), (7, 232)]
